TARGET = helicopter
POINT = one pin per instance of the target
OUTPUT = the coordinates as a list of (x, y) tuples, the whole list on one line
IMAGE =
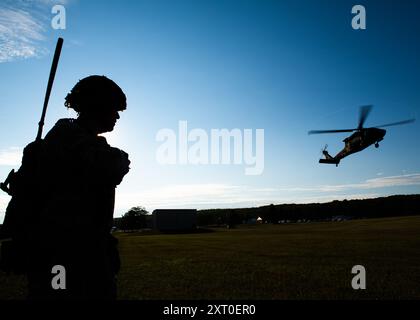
[(360, 139)]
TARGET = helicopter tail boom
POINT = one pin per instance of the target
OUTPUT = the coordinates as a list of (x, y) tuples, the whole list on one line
[(330, 161)]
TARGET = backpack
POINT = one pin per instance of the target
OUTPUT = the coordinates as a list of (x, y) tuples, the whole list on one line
[(19, 226)]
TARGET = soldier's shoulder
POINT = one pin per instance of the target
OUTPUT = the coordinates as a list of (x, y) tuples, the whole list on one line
[(71, 133), (66, 128), (63, 126), (67, 124)]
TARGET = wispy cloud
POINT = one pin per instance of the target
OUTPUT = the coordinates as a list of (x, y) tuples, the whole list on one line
[(23, 26), (376, 183), (11, 156), (393, 181), (331, 197), (20, 34), (193, 196)]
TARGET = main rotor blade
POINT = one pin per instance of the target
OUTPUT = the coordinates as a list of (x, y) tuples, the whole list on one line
[(330, 131), (364, 112), (396, 123)]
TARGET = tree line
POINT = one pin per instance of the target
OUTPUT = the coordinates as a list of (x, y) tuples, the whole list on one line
[(392, 206)]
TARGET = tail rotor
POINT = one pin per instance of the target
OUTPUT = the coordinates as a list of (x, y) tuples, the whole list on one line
[(324, 150)]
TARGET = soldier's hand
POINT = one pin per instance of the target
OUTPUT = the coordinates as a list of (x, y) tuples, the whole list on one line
[(125, 162)]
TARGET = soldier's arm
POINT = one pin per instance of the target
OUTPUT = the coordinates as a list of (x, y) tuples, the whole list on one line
[(108, 165)]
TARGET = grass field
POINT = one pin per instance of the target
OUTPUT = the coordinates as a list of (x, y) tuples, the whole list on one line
[(294, 261)]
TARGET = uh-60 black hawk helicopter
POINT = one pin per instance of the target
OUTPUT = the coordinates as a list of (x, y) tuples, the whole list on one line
[(360, 139)]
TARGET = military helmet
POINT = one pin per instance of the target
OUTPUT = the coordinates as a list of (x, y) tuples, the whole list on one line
[(94, 93)]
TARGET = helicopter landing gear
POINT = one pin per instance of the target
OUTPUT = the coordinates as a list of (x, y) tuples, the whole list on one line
[(376, 145)]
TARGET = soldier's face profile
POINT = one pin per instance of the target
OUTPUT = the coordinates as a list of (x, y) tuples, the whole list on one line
[(100, 121), (108, 119)]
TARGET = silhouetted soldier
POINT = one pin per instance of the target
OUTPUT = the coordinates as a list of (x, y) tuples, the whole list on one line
[(75, 201)]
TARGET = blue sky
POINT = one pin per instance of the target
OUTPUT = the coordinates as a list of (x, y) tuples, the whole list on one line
[(283, 66)]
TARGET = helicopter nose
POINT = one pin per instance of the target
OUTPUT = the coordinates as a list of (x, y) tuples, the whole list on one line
[(383, 132)]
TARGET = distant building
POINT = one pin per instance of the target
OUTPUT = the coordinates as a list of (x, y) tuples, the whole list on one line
[(175, 219), (340, 218), (250, 221)]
